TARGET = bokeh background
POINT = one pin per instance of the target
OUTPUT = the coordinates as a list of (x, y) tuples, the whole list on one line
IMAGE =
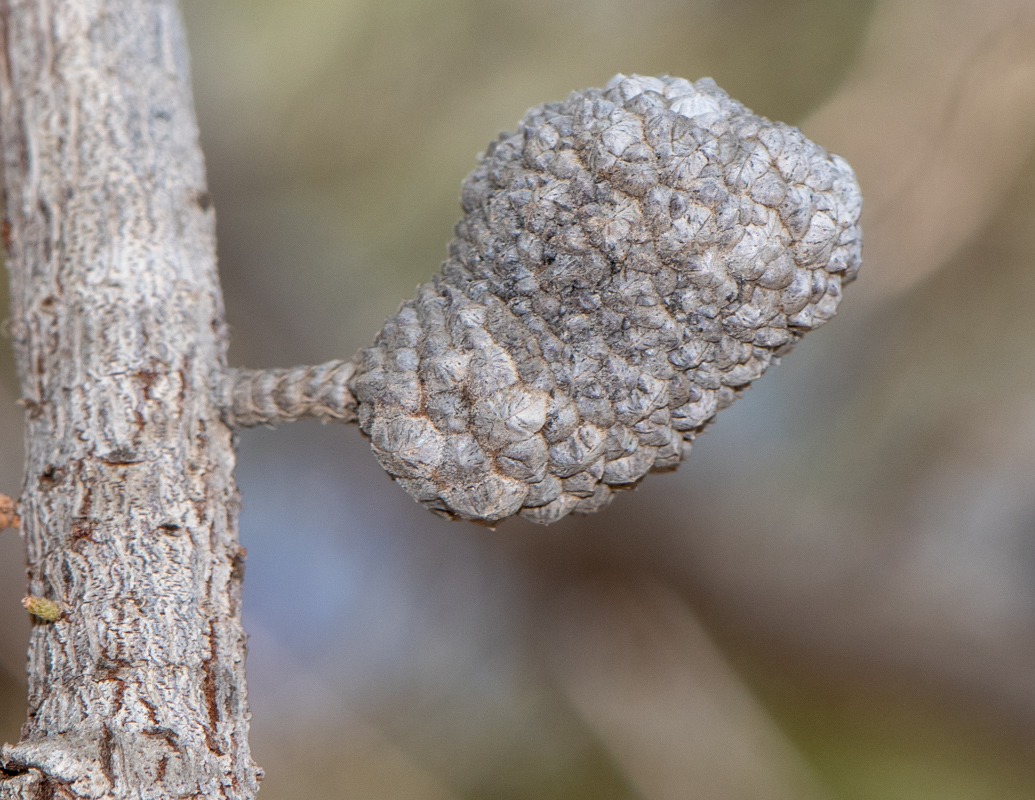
[(834, 598)]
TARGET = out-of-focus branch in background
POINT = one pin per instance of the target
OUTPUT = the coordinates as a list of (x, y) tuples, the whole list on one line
[(649, 682), (937, 117)]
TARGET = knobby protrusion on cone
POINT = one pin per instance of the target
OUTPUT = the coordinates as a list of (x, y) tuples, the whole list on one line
[(628, 262)]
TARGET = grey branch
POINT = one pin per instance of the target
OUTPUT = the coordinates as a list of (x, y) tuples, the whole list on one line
[(129, 509), (629, 260)]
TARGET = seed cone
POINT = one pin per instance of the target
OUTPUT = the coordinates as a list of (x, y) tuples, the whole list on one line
[(628, 262)]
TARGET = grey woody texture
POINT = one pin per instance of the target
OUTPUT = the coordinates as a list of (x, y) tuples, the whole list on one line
[(128, 510), (629, 261), (253, 397)]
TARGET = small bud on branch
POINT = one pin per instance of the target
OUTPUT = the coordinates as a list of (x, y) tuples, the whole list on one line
[(8, 516), (46, 610)]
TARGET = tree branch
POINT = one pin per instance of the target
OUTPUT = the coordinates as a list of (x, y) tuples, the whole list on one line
[(129, 510)]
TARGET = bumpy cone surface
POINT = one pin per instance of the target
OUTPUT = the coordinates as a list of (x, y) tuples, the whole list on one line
[(628, 262)]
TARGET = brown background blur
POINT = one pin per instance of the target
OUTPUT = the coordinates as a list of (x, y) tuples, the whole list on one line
[(833, 598)]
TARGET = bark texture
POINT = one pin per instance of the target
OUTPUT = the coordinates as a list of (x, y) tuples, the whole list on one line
[(129, 510)]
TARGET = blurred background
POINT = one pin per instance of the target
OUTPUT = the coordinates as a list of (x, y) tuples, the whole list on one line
[(833, 598)]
